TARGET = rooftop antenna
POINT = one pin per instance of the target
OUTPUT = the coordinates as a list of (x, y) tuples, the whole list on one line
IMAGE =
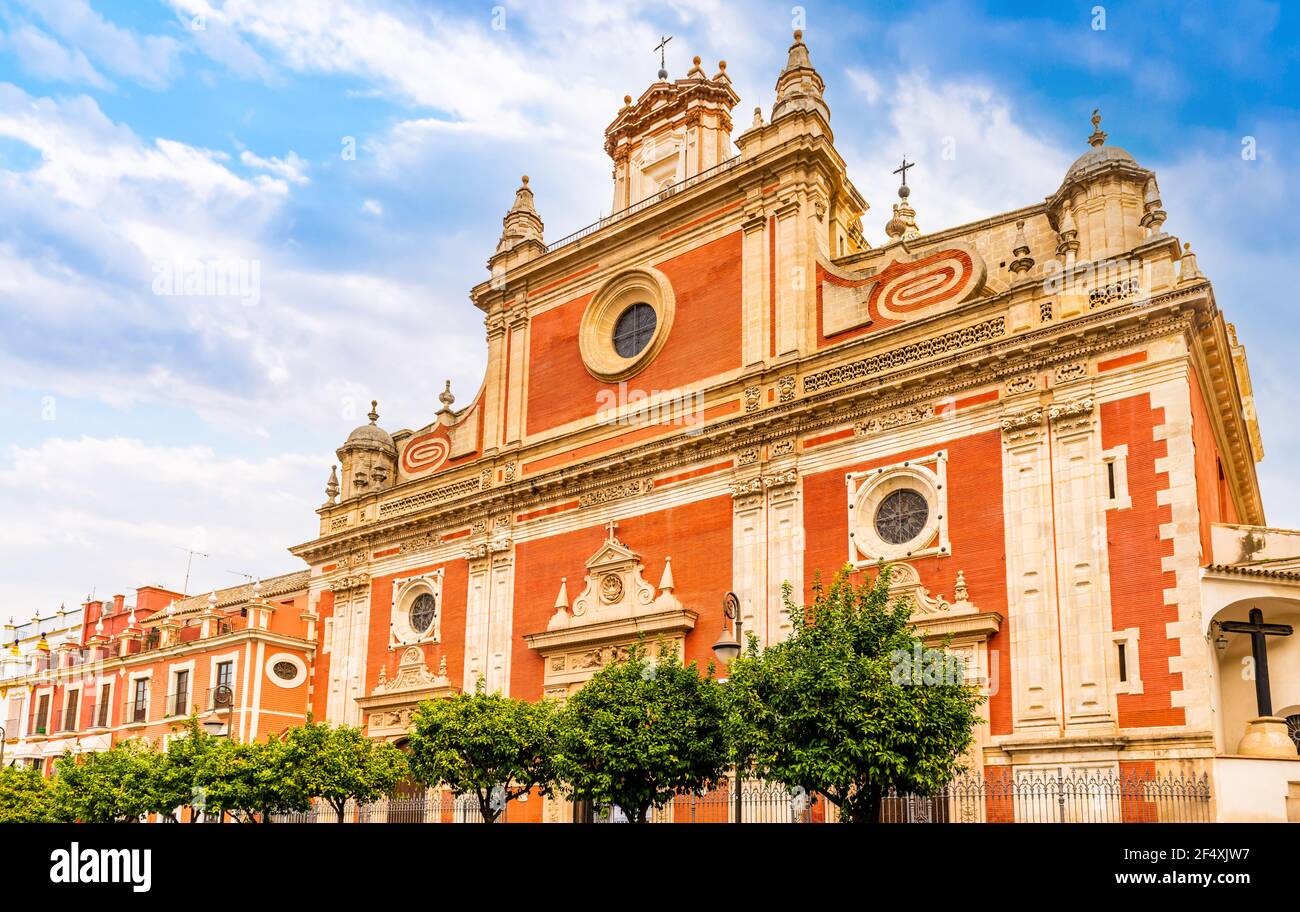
[(247, 576), (188, 561)]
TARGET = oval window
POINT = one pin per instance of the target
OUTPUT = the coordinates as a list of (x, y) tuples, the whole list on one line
[(285, 671)]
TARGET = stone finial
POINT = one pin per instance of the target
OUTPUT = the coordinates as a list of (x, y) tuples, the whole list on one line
[(446, 398), (1098, 136), (1023, 262), (373, 414), (800, 86), (99, 625), (696, 71), (960, 591), (212, 601), (666, 581), (522, 223), (332, 487), (257, 590), (758, 117), (562, 598), (721, 75), (1153, 216), (1188, 270)]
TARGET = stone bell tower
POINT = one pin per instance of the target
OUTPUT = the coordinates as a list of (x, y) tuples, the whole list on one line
[(673, 131)]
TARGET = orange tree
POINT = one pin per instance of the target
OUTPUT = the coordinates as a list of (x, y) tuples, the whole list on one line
[(852, 704)]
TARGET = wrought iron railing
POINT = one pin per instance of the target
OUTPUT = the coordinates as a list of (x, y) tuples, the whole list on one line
[(644, 204), (437, 807), (1023, 798)]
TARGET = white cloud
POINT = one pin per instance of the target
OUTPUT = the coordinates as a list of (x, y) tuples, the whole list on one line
[(291, 167), (151, 60), (115, 513), (372, 207), (45, 58)]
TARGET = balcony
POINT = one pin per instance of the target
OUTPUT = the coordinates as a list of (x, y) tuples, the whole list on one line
[(99, 715), (135, 712), (178, 703)]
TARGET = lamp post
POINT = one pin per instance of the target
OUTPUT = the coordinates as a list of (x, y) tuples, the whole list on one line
[(3, 734), (727, 649), (222, 695)]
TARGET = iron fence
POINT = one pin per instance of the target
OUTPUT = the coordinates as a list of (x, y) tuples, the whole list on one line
[(436, 807), (1025, 797), (1013, 797)]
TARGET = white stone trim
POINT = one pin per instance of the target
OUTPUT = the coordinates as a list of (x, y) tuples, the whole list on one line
[(276, 658), (1115, 460), (929, 477)]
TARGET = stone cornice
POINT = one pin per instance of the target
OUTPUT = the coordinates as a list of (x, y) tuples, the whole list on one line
[(1113, 328)]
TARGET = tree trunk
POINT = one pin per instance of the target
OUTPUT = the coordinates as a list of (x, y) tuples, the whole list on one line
[(485, 809)]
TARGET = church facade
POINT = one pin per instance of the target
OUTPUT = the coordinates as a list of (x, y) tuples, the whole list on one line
[(1041, 422)]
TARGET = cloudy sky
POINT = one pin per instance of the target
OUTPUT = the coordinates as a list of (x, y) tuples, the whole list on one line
[(354, 158)]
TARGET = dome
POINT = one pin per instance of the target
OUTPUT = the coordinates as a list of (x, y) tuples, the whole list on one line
[(371, 436), (1098, 155)]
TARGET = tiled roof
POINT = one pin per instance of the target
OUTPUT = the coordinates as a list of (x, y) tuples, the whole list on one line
[(238, 595), (1260, 572)]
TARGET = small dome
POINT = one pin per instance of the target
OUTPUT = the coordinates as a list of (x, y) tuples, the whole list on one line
[(1098, 155), (371, 436)]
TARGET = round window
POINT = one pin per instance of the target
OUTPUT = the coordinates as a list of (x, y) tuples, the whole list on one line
[(901, 516), (423, 610), (285, 671), (634, 330)]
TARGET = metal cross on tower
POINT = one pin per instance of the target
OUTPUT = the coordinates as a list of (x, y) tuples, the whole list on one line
[(902, 169), (663, 63)]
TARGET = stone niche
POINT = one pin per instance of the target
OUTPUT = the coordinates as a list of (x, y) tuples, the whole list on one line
[(615, 609)]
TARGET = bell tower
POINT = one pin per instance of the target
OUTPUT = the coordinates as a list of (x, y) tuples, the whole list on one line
[(673, 131)]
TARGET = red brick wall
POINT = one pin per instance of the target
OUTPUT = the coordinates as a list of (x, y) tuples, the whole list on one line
[(696, 536), (1137, 582), (975, 529), (704, 341), (321, 667)]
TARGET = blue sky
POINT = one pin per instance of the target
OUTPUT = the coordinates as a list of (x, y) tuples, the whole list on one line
[(145, 134)]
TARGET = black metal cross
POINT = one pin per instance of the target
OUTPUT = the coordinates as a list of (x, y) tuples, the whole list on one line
[(902, 169), (663, 43), (1259, 631)]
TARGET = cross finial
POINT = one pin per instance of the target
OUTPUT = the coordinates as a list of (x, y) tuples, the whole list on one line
[(663, 63), (611, 527), (902, 169)]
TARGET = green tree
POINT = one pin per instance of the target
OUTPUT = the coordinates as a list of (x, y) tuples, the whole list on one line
[(24, 796), (180, 769), (641, 731), (493, 747), (341, 764), (116, 785), (852, 704)]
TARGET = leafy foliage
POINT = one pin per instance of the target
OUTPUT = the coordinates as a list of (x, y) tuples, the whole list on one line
[(493, 747), (116, 785), (340, 764), (829, 711), (25, 796), (640, 731)]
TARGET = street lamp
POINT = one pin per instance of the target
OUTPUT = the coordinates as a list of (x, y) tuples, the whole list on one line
[(3, 734), (727, 649), (223, 695)]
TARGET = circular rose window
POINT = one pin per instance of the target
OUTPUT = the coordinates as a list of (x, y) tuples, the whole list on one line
[(901, 516), (423, 611)]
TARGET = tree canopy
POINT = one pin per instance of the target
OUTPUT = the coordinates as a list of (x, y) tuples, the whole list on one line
[(487, 745), (25, 796), (641, 731), (852, 704), (341, 764)]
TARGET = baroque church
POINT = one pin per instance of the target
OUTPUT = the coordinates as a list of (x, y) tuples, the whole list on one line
[(1040, 421)]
